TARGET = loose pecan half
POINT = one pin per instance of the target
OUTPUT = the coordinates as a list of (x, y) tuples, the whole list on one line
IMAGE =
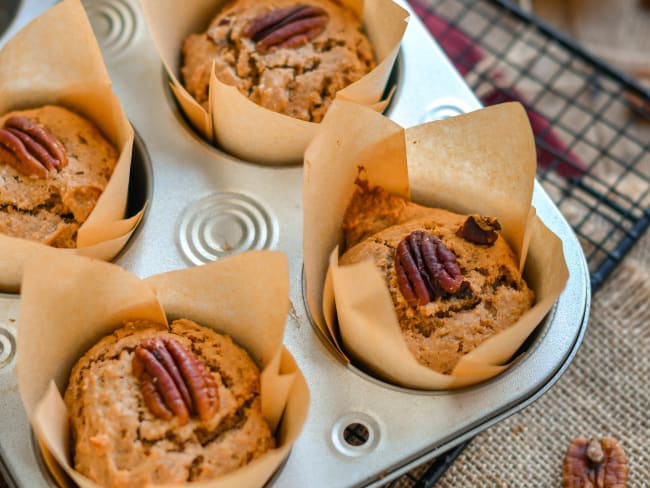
[(289, 27), (30, 148), (174, 381), (595, 463), (480, 230), (426, 268)]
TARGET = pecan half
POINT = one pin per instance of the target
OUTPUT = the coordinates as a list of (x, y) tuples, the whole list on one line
[(480, 230), (426, 268), (30, 148), (595, 463), (289, 27), (174, 381)]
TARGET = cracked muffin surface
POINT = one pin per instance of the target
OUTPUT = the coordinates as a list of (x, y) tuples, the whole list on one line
[(299, 82), (50, 210), (118, 442), (439, 333)]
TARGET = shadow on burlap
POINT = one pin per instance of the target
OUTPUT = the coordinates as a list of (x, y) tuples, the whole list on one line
[(605, 391)]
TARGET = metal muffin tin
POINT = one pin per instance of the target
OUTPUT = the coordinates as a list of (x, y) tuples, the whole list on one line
[(205, 204)]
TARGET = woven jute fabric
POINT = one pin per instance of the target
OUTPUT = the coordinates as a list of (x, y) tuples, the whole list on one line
[(605, 391)]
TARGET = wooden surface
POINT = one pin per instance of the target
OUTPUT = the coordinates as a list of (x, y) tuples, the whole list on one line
[(616, 30)]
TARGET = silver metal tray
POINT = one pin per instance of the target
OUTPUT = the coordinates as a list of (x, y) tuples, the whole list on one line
[(204, 204)]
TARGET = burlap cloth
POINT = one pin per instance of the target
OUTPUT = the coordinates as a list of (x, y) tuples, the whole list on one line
[(605, 391)]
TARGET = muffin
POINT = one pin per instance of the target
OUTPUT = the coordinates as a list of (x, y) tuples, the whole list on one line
[(453, 280), (54, 165), (288, 57), (129, 427)]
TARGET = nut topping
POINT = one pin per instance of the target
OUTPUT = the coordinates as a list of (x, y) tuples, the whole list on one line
[(174, 381), (30, 148), (595, 463), (480, 230), (290, 27), (14, 153), (426, 268)]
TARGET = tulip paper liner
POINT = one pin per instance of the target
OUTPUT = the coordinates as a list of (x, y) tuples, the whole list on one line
[(240, 126), (55, 332), (56, 60), (482, 162)]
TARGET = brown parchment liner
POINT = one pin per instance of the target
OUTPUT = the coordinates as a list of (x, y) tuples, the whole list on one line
[(240, 126), (56, 60), (55, 331), (482, 162)]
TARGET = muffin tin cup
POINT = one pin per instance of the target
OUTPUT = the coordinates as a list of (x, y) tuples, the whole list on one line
[(392, 86), (34, 75), (218, 296), (402, 427), (238, 125), (479, 163), (139, 193)]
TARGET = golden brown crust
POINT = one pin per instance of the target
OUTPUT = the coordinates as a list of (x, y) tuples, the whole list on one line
[(371, 210), (50, 210), (441, 332), (119, 442), (299, 82)]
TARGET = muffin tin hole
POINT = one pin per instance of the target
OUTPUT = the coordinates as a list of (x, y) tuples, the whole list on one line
[(355, 434), (391, 85), (8, 11)]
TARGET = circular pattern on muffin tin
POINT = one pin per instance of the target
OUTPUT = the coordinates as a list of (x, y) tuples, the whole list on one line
[(7, 347), (443, 109), (222, 224), (114, 23)]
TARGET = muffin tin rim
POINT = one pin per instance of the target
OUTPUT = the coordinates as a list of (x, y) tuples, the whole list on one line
[(302, 343), (183, 120)]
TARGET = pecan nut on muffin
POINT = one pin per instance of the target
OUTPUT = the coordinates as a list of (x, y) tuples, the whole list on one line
[(453, 279), (288, 57), (54, 165), (152, 405)]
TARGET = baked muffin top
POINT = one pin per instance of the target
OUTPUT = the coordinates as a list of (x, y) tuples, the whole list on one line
[(50, 208), (490, 295), (297, 75), (118, 441)]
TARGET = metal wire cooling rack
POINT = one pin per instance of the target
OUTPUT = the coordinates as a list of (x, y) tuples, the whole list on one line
[(591, 125)]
